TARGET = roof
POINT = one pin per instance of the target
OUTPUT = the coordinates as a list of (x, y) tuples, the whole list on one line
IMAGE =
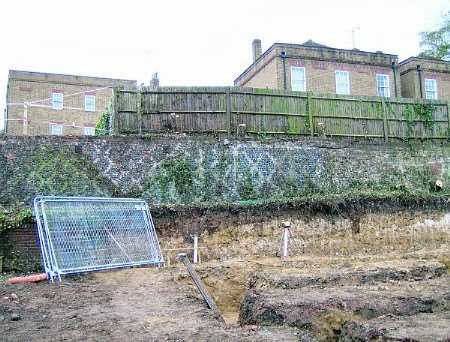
[(67, 78), (312, 45), (423, 58)]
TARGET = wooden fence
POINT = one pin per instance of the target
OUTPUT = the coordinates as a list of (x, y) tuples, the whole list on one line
[(237, 111)]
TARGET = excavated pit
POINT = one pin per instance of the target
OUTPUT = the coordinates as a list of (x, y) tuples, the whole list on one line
[(376, 284), (386, 280)]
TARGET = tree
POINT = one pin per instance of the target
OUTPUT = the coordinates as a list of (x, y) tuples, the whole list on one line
[(436, 44)]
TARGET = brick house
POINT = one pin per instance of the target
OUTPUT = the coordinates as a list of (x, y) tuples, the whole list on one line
[(56, 104), (425, 78), (318, 68)]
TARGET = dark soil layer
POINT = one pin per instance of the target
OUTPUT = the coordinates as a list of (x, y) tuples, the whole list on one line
[(185, 220)]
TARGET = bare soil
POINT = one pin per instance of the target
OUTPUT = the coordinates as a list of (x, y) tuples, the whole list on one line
[(137, 304), (147, 304)]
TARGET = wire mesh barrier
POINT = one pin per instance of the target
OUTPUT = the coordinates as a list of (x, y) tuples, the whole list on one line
[(81, 234)]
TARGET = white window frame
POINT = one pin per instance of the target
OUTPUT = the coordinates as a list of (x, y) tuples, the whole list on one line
[(295, 83), (433, 91), (342, 82), (57, 100), (386, 87), (89, 131), (89, 106), (56, 129)]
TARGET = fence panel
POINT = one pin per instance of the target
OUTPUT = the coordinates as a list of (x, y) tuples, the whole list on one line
[(347, 116), (126, 107), (265, 111), (184, 110), (413, 119), (270, 113)]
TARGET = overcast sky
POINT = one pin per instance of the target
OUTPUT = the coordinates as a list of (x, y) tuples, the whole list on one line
[(194, 42)]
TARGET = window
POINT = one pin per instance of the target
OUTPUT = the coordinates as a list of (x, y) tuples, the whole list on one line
[(89, 103), (89, 131), (298, 79), (383, 86), (431, 89), (57, 101), (342, 82), (56, 129)]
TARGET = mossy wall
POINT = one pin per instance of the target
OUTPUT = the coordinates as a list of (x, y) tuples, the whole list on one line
[(191, 171)]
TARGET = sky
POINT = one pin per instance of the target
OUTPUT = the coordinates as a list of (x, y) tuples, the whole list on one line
[(195, 42)]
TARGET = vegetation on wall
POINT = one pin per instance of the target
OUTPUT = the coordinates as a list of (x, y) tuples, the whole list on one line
[(47, 170), (422, 112), (173, 179), (10, 219), (102, 126)]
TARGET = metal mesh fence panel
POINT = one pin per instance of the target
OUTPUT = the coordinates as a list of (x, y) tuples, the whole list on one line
[(81, 234)]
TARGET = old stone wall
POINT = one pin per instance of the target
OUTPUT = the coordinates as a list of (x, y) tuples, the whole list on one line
[(209, 185), (179, 170)]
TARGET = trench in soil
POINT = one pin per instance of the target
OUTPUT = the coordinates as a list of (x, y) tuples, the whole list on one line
[(233, 254)]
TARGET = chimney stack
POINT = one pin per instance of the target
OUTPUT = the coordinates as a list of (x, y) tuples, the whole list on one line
[(154, 82), (256, 48)]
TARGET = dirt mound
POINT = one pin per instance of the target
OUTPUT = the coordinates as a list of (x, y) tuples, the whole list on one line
[(355, 301), (363, 274), (420, 327)]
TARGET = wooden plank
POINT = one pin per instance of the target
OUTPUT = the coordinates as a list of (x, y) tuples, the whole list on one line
[(448, 120), (310, 115), (385, 124), (200, 286), (228, 111), (114, 115), (139, 111)]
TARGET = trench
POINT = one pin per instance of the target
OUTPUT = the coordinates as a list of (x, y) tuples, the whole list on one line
[(320, 244)]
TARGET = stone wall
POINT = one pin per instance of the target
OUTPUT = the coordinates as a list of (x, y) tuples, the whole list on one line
[(178, 170), (207, 185)]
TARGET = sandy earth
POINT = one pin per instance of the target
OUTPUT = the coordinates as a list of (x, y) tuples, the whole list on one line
[(124, 305), (149, 304)]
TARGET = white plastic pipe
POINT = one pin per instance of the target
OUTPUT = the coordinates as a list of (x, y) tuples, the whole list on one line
[(285, 242), (195, 258)]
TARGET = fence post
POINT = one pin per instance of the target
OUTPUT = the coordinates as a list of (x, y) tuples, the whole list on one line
[(139, 111), (385, 123), (310, 114), (228, 109), (114, 124), (448, 120)]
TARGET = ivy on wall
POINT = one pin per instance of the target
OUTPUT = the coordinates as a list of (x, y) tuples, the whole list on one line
[(419, 111)]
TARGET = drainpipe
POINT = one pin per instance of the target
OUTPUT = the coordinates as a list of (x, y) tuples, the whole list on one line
[(419, 73), (283, 56), (394, 70)]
